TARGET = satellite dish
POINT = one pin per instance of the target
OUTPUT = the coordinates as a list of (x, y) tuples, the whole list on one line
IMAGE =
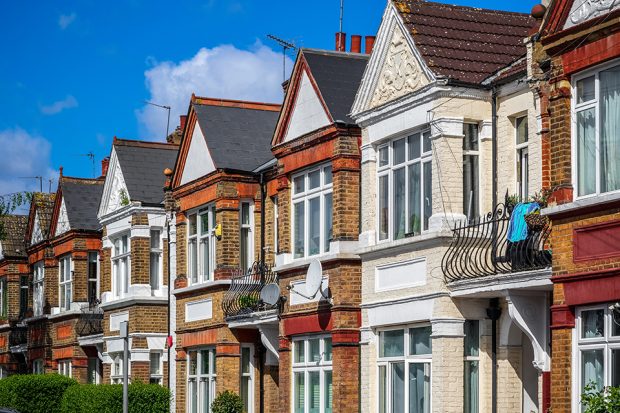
[(314, 278), (270, 293)]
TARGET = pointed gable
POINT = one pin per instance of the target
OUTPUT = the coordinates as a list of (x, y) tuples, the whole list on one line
[(62, 221), (197, 161), (115, 194), (77, 204), (566, 14), (40, 217)]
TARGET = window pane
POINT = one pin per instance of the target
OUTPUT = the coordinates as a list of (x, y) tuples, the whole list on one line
[(384, 156), (314, 179), (154, 271), (397, 393), (193, 396), (472, 337), (328, 349), (314, 383), (204, 362), (419, 388), (615, 367), (125, 244), (244, 247), (399, 203), (382, 389), (299, 229), (206, 399), (399, 151), (298, 184), (586, 157), (391, 343), (426, 141), (245, 360), (420, 340), (206, 262), (592, 368), (328, 392), (592, 323), (471, 387), (414, 146), (245, 213), (384, 192), (193, 261), (314, 226), (155, 363), (328, 221), (327, 175), (470, 141), (204, 223), (428, 192), (91, 373), (299, 352), (245, 393), (314, 350), (615, 323), (610, 129), (193, 362), (299, 392), (585, 89), (522, 131), (415, 204), (155, 239), (523, 173), (470, 186)]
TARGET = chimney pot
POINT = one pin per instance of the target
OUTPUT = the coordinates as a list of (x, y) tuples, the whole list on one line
[(356, 43), (105, 163), (370, 43), (341, 42)]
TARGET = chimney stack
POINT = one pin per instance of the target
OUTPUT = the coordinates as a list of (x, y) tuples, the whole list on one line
[(370, 43), (341, 42), (183, 119), (105, 163), (356, 43)]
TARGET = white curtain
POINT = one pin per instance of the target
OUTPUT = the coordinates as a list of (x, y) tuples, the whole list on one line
[(419, 388), (610, 129), (586, 156), (592, 368)]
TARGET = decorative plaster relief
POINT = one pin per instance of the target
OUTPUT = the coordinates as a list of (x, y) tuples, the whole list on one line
[(37, 233), (401, 72), (582, 11), (118, 193), (62, 225)]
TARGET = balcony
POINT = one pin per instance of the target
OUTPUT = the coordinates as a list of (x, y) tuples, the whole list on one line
[(18, 336), (480, 247), (90, 321), (243, 297)]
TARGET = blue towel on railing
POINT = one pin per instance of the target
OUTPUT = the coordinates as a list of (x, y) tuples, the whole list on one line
[(517, 228)]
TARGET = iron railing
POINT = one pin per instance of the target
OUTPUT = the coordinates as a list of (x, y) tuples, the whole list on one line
[(18, 335), (243, 296), (91, 320), (480, 248)]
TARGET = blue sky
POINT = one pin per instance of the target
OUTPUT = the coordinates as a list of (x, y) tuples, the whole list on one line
[(73, 74)]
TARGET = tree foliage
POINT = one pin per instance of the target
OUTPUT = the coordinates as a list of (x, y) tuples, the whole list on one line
[(606, 400)]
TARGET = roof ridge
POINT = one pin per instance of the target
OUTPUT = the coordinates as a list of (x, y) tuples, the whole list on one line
[(233, 103), (401, 3), (145, 144), (336, 53), (75, 179)]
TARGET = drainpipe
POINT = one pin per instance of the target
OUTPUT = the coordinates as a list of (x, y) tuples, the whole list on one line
[(169, 292), (494, 142), (262, 280), (493, 312)]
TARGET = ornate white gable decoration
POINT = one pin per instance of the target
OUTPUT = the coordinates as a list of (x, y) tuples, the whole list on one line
[(37, 232), (401, 72), (582, 11), (115, 195), (62, 225)]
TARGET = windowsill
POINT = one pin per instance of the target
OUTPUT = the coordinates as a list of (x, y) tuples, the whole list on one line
[(201, 286), (65, 313), (132, 300), (416, 242), (576, 205), (304, 262)]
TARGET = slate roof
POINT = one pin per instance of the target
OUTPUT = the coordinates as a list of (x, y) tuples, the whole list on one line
[(82, 198), (143, 165), (238, 135), (464, 43), (338, 76), (44, 204), (14, 229)]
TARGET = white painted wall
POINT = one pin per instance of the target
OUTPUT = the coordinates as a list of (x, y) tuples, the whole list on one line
[(308, 114), (198, 162)]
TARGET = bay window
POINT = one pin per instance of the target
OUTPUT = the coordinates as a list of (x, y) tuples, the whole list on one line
[(38, 277), (65, 282), (312, 375), (404, 186), (471, 186), (155, 268), (522, 156), (201, 245), (246, 244), (404, 369), (200, 380), (93, 275), (156, 368), (312, 211), (120, 266), (596, 131), (597, 349), (472, 365)]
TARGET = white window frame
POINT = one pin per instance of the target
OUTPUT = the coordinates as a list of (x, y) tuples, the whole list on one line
[(65, 282), (407, 359), (90, 278), (64, 367), (470, 153), (97, 369), (121, 280), (3, 298), (156, 251), (38, 366), (156, 377), (575, 107), (468, 358), (249, 375), (38, 288), (210, 378), (307, 366), (248, 231), (200, 239), (607, 343), (388, 170), (117, 368), (276, 225), (522, 185), (324, 189), (3, 373)]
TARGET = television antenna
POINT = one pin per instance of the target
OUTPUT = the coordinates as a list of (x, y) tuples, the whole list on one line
[(341, 14), (313, 284), (162, 107), (285, 46), (90, 155), (40, 178)]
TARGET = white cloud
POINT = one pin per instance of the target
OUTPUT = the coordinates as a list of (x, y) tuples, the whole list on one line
[(222, 72), (57, 107), (65, 20), (24, 155)]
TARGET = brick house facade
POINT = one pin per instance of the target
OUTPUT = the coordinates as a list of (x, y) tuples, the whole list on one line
[(576, 77)]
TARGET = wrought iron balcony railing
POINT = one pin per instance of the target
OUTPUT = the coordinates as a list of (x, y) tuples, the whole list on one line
[(481, 248), (18, 335), (243, 297), (90, 321)]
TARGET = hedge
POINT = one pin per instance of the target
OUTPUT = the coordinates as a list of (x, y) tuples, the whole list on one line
[(34, 393), (108, 398)]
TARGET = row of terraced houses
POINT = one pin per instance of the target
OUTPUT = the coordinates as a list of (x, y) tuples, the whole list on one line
[(456, 182)]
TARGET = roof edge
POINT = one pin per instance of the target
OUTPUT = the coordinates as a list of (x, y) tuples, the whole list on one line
[(232, 103), (144, 144)]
